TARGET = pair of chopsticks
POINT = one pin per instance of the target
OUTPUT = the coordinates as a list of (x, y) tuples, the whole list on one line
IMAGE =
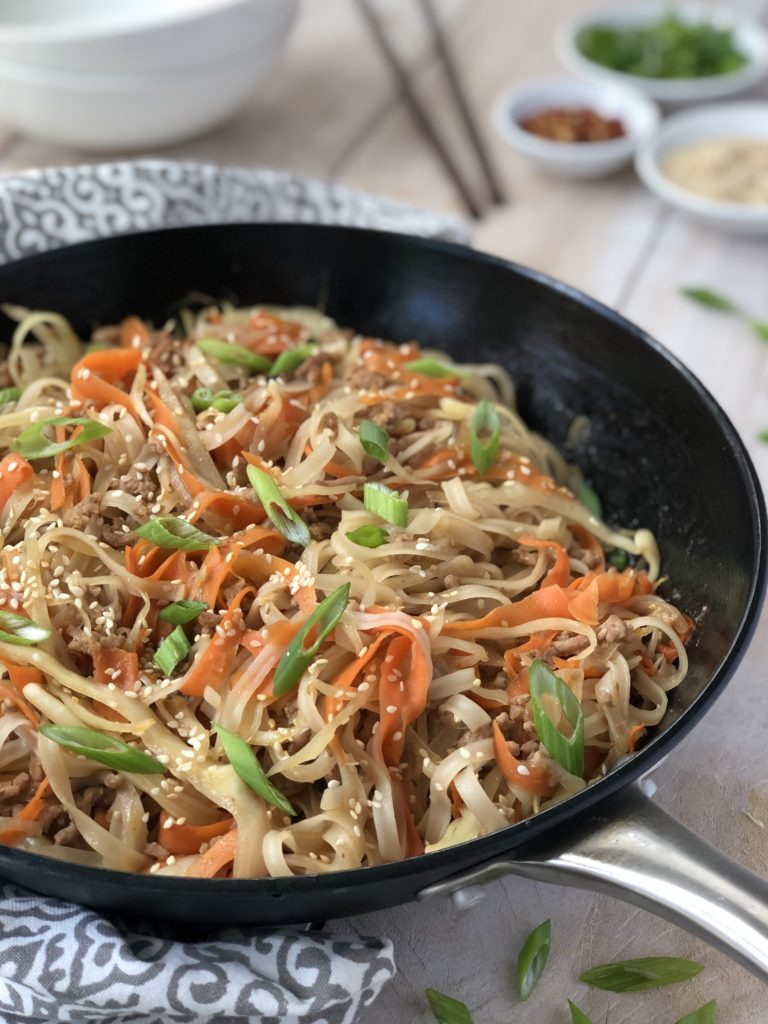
[(419, 111)]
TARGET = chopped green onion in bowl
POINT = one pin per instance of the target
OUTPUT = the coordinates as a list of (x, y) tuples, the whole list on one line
[(669, 47)]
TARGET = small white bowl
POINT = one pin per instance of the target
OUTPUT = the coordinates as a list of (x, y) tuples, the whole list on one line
[(687, 128), (638, 115), (128, 36), (750, 38), (103, 112)]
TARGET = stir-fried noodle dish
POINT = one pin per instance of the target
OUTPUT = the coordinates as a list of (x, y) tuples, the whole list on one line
[(278, 599)]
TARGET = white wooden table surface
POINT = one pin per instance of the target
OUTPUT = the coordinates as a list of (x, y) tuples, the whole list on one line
[(330, 108)]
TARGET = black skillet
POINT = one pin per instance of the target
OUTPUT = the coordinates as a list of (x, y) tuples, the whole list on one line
[(661, 454)]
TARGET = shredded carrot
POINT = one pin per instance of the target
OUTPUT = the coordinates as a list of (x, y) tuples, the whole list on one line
[(238, 511), (186, 839), (534, 780), (213, 573), (213, 666), (216, 858), (589, 542), (633, 735), (19, 677), (579, 601), (14, 471), (345, 680), (519, 686), (113, 665), (133, 333), (11, 835), (404, 662), (94, 377), (162, 414), (32, 810), (560, 572)]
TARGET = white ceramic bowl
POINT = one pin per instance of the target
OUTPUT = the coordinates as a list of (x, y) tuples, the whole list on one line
[(129, 36), (100, 112), (128, 74), (638, 115), (750, 37), (687, 128)]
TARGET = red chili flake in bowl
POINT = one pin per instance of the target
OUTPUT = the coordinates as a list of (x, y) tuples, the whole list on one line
[(573, 125)]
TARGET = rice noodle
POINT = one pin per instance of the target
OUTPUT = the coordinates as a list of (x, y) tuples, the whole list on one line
[(386, 742)]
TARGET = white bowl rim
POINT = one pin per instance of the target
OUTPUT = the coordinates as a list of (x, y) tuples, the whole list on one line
[(586, 152), (568, 30), (649, 169), (79, 30)]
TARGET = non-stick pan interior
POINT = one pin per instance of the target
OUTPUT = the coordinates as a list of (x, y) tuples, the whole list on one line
[(659, 452)]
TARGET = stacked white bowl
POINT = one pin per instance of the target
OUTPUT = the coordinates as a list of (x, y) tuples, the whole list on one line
[(118, 74)]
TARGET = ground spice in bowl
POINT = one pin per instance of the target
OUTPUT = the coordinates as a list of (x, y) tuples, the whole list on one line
[(733, 169)]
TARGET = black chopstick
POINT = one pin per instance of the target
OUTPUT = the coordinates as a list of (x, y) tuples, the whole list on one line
[(460, 98), (417, 109)]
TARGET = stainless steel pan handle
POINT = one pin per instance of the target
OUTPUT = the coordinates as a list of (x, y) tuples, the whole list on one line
[(633, 850)]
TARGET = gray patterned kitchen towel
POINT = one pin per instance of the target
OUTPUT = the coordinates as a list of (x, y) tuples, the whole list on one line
[(61, 963), (45, 209)]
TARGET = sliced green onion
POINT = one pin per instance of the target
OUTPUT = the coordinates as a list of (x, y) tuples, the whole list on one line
[(297, 657), (642, 974), (33, 442), (246, 765), (291, 360), (706, 297), (16, 629), (374, 440), (763, 436), (760, 328), (369, 536), (236, 355), (589, 499), (221, 401), (568, 751), (172, 532), (533, 958), (447, 1010), (704, 1015), (431, 368), (201, 399), (284, 519), (618, 558), (9, 395), (107, 750), (383, 502), (171, 651), (225, 401), (182, 612), (484, 432), (578, 1016)]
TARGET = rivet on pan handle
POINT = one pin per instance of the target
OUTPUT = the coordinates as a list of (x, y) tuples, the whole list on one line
[(635, 851)]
